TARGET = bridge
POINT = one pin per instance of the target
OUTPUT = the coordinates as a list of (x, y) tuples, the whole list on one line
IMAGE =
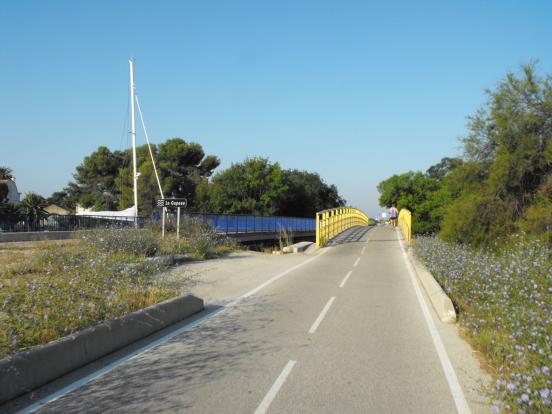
[(346, 328)]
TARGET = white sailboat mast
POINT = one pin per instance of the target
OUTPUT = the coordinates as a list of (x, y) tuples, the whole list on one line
[(133, 136)]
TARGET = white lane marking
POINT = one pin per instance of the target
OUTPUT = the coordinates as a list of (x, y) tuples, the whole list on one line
[(356, 262), (457, 394), (318, 320), (345, 279), (273, 279), (368, 237), (265, 403), (363, 250)]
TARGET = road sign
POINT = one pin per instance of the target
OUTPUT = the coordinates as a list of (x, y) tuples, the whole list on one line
[(172, 202)]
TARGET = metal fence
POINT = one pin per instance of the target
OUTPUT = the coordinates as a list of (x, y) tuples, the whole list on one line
[(56, 222), (242, 223), (222, 223)]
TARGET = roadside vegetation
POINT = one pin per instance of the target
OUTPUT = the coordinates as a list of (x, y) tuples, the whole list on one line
[(505, 304), (197, 239), (490, 214), (502, 183), (103, 274)]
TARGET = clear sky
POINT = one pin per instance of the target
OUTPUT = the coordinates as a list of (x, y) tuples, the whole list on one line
[(356, 91)]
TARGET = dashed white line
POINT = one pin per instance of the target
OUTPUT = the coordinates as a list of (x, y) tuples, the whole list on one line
[(273, 279), (356, 262), (265, 403), (363, 250), (345, 279), (318, 320), (454, 385)]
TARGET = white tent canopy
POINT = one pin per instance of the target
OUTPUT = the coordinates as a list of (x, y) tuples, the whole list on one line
[(127, 214)]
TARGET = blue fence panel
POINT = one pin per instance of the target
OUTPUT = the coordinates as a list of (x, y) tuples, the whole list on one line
[(241, 223), (223, 223)]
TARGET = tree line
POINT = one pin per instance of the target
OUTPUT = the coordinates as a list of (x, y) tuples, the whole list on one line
[(103, 181), (502, 182)]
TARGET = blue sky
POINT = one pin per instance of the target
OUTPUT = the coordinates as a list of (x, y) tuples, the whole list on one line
[(356, 91)]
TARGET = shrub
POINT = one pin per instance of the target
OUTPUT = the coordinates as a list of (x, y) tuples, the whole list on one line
[(130, 241), (200, 237), (476, 219), (537, 219)]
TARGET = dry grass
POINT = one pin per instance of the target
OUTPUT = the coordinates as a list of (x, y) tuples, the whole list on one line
[(49, 290), (13, 253)]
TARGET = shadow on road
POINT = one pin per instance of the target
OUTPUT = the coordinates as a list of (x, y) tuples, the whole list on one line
[(352, 235), (162, 380)]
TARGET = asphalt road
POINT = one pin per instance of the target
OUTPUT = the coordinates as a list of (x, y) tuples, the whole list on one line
[(341, 331)]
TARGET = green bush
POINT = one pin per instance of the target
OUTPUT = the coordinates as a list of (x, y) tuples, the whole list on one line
[(200, 237), (476, 219), (537, 219)]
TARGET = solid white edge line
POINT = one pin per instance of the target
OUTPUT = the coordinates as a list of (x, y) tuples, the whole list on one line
[(267, 400), (356, 262), (318, 320), (345, 279), (454, 385)]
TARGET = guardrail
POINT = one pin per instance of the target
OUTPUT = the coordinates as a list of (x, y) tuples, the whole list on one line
[(330, 223), (405, 224)]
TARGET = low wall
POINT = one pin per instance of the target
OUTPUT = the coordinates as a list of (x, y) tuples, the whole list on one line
[(27, 370)]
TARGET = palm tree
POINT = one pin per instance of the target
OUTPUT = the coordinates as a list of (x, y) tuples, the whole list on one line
[(32, 206)]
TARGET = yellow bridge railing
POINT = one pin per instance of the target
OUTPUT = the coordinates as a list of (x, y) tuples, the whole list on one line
[(405, 224), (330, 223)]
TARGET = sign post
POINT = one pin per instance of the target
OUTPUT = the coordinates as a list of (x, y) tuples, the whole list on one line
[(163, 223), (171, 203), (177, 223)]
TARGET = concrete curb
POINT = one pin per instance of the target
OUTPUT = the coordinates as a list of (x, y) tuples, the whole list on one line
[(170, 259), (439, 299), (298, 247), (26, 370)]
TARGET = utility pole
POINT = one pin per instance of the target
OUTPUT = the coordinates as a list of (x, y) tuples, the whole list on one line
[(133, 137)]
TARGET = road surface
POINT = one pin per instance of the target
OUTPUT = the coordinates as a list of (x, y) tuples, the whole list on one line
[(339, 331)]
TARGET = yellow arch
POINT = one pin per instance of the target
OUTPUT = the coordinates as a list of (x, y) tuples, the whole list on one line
[(330, 223)]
